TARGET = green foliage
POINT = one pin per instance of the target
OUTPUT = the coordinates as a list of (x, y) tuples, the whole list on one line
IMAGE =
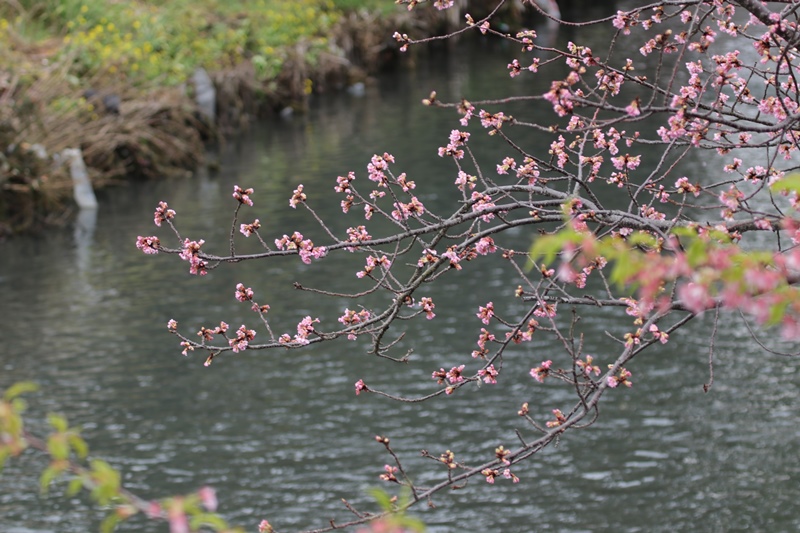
[(164, 42), (380, 6), (12, 436), (103, 481), (110, 523), (58, 422), (547, 247), (75, 485), (106, 482), (207, 519), (50, 474), (18, 389), (397, 520), (709, 258), (789, 183)]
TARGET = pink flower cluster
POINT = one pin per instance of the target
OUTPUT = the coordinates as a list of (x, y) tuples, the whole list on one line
[(452, 255), (453, 376), (542, 371), (486, 313), (560, 96), (361, 386), (518, 336), (587, 367), (389, 473), (558, 148), (402, 38), (243, 294), (404, 183), (148, 245), (483, 338), (453, 148), (250, 229), (372, 262), (242, 339), (427, 306), (684, 187), (207, 334), (352, 318), (242, 195), (559, 419), (622, 377), (482, 202), (465, 180), (191, 253), (485, 246), (491, 473), (624, 21), (357, 235), (489, 374), (403, 211), (660, 336), (377, 167), (305, 247), (343, 183), (163, 213), (492, 120), (305, 328), (298, 196)]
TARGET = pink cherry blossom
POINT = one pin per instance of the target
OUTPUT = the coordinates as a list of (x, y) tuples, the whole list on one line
[(542, 371), (489, 374), (148, 245), (163, 213), (242, 195), (361, 386)]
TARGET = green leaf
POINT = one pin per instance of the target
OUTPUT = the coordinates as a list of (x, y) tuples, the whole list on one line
[(4, 454), (20, 388), (208, 519), (622, 272), (697, 252), (790, 182), (78, 445), (382, 497), (410, 522), (13, 423), (58, 422), (546, 247), (685, 231), (57, 446), (108, 482), (110, 523), (49, 475), (75, 486), (19, 405), (641, 238), (777, 312)]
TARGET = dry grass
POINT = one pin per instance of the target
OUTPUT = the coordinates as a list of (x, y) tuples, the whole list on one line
[(154, 134)]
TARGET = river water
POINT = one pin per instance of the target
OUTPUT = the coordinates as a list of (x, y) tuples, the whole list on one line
[(282, 436)]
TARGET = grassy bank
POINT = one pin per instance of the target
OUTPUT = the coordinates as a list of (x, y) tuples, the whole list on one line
[(111, 78)]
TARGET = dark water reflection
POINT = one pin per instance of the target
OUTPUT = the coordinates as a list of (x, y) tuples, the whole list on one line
[(282, 436)]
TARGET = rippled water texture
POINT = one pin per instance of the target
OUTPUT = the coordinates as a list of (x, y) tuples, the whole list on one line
[(282, 436)]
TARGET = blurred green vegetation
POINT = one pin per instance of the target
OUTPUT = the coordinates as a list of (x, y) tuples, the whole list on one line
[(163, 41)]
